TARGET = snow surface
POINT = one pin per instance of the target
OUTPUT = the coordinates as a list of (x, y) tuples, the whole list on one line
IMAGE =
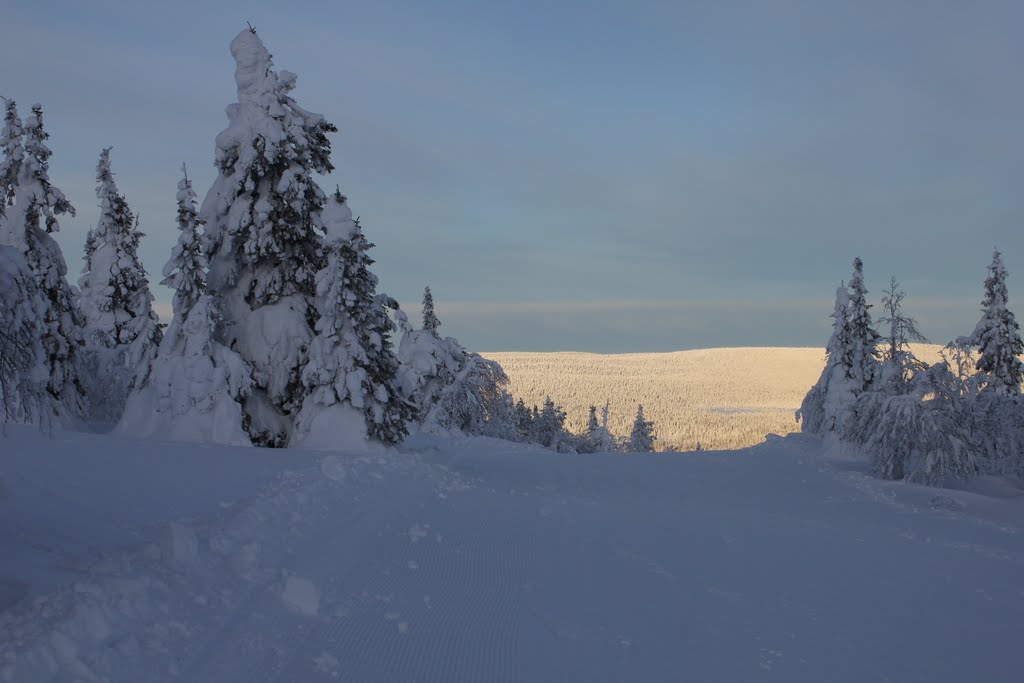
[(481, 560)]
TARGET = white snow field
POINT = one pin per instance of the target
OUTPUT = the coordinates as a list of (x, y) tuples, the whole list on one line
[(479, 560)]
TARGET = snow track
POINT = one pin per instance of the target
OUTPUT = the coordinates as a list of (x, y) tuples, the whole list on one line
[(475, 560)]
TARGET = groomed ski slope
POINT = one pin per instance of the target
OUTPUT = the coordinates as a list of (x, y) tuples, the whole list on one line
[(478, 560)]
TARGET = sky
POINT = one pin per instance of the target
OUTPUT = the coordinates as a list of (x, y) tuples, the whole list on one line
[(583, 175)]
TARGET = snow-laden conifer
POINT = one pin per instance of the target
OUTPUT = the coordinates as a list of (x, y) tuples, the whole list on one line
[(829, 398), (33, 205), (430, 321), (923, 435), (641, 437), (451, 388), (185, 271), (997, 335), (351, 364), (863, 336), (263, 238), (851, 365), (12, 147), (196, 385), (596, 438), (122, 329), (23, 375), (549, 426), (523, 421)]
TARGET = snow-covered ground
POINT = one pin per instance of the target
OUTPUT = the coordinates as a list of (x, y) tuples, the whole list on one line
[(478, 560)]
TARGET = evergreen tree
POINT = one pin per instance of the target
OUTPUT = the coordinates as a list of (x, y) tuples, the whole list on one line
[(23, 396), (476, 401), (185, 271), (998, 335), (863, 337), (597, 438), (430, 321), (350, 358), (549, 424), (641, 438), (12, 147), (452, 388), (122, 329), (196, 385), (523, 420), (827, 399), (263, 234), (33, 205)]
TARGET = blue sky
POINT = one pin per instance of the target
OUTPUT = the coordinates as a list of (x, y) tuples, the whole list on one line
[(585, 175)]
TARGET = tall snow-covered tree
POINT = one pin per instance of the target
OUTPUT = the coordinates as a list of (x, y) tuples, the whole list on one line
[(351, 362), (827, 399), (863, 337), (641, 438), (851, 366), (263, 237), (430, 321), (185, 271), (196, 385), (998, 335), (33, 205), (122, 330), (23, 396), (12, 146)]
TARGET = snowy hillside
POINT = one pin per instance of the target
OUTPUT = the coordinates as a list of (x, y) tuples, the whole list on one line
[(722, 398), (480, 560)]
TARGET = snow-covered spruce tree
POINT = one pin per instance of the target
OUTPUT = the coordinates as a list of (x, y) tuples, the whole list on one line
[(863, 337), (430, 321), (997, 335), (475, 402), (641, 438), (922, 435), (122, 330), (830, 397), (549, 427), (263, 235), (607, 443), (185, 271), (993, 398), (12, 146), (352, 370), (23, 396), (523, 419), (195, 388), (596, 438), (32, 207), (851, 366), (893, 377), (427, 362), (452, 388)]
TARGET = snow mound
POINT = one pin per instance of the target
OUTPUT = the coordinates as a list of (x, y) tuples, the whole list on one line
[(301, 595), (337, 427)]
